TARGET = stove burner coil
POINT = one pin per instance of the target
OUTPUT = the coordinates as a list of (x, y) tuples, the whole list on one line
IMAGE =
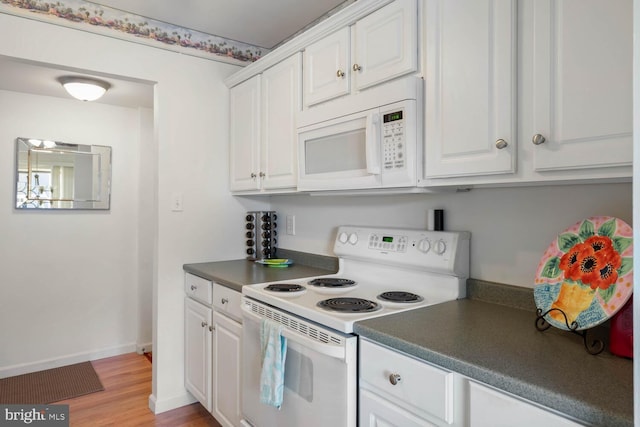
[(399, 296), (349, 305), (332, 282), (285, 287)]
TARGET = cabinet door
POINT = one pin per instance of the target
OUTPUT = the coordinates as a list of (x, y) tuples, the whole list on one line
[(470, 73), (227, 348), (244, 135), (281, 90), (198, 351), (378, 412), (490, 408), (582, 83), (386, 44), (326, 68)]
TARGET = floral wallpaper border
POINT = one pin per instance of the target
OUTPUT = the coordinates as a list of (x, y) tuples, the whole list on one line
[(95, 18)]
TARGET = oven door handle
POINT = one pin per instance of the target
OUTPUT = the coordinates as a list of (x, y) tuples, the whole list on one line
[(335, 351)]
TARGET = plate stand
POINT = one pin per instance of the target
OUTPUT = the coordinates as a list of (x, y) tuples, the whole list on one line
[(596, 346)]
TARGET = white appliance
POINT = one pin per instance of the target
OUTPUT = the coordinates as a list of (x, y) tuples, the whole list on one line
[(367, 140), (381, 271)]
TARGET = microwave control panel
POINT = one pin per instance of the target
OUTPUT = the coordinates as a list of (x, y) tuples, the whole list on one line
[(393, 140)]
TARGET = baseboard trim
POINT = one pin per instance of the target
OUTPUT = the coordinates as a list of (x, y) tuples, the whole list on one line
[(144, 348), (70, 359), (158, 407)]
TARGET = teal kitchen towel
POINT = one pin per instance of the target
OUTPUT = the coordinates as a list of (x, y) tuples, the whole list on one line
[(274, 354)]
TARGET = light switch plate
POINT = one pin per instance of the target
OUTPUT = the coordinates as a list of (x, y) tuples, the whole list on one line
[(176, 202)]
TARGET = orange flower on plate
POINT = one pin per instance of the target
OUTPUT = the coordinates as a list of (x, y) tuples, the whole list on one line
[(594, 262)]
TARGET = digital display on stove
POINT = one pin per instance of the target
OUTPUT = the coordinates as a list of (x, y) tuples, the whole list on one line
[(387, 239)]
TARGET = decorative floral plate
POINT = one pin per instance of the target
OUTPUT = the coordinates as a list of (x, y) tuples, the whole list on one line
[(586, 273)]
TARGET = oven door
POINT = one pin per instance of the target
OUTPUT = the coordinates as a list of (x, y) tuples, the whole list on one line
[(320, 378), (340, 154)]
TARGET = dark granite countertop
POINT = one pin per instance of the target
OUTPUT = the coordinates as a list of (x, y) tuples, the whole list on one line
[(236, 273), (499, 345)]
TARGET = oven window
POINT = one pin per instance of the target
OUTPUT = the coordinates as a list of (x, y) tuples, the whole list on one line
[(336, 153), (299, 374)]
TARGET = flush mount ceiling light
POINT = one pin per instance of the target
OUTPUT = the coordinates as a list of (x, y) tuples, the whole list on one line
[(84, 88)]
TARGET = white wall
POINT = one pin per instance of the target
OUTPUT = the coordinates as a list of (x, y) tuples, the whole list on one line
[(60, 295), (511, 227), (190, 156)]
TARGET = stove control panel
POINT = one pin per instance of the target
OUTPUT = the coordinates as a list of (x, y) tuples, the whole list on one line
[(388, 242), (438, 251)]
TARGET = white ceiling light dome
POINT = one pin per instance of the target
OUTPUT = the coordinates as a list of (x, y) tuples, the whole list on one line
[(84, 88)]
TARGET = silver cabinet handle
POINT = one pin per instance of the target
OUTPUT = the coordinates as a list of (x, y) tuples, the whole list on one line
[(357, 67), (538, 139), (204, 324), (224, 300), (194, 287), (212, 328), (501, 143), (395, 379), (340, 73)]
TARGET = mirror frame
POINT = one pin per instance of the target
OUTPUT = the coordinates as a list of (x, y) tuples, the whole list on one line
[(31, 195)]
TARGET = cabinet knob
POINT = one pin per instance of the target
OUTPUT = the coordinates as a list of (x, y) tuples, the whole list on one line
[(394, 379), (203, 324), (340, 73), (357, 67), (501, 143), (212, 328), (224, 300), (253, 175), (262, 174), (538, 139), (193, 287)]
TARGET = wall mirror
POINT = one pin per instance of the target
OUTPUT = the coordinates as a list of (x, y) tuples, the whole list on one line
[(58, 175)]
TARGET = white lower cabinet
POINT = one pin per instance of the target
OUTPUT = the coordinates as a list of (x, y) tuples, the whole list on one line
[(413, 392), (226, 392), (489, 407), (213, 344), (197, 342), (397, 390)]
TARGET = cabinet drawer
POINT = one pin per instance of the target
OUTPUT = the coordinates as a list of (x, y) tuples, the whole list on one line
[(423, 386), (197, 288), (227, 301)]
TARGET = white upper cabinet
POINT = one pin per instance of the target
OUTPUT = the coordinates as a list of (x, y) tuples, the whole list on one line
[(386, 44), (244, 135), (326, 65), (263, 110), (470, 101), (281, 102), (377, 48), (582, 84), (568, 117)]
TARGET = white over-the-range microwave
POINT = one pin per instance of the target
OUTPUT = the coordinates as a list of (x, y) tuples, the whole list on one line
[(369, 140)]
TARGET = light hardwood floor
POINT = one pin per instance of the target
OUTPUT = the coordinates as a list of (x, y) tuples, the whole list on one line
[(125, 400)]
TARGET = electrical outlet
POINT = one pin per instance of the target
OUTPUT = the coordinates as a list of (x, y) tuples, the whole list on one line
[(176, 202), (291, 225)]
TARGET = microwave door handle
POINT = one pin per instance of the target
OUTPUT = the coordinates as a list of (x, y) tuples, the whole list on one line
[(371, 145)]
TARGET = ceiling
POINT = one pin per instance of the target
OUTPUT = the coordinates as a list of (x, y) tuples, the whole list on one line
[(262, 23)]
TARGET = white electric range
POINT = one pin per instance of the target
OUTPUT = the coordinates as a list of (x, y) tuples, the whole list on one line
[(381, 271)]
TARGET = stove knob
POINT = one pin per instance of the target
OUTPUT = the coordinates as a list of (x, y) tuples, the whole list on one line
[(424, 245), (353, 238), (342, 238), (440, 247)]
